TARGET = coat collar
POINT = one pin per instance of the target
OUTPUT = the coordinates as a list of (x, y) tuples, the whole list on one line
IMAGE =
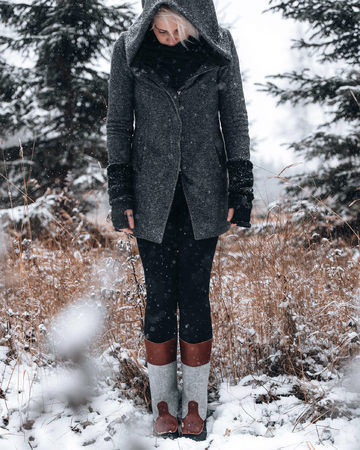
[(151, 74)]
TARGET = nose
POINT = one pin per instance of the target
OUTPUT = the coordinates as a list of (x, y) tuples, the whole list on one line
[(172, 41)]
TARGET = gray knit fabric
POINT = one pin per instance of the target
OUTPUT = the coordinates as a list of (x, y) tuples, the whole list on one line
[(161, 132), (195, 388), (164, 387)]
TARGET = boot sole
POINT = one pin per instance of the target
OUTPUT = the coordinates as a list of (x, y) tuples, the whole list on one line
[(171, 436), (196, 437)]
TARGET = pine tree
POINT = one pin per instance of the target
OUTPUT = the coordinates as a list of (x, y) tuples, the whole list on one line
[(61, 96), (334, 38)]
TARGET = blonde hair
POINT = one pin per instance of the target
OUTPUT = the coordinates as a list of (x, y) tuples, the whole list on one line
[(184, 26)]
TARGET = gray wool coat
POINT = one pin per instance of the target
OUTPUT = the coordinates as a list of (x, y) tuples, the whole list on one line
[(154, 133)]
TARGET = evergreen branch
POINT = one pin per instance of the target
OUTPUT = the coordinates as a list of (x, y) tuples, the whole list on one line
[(60, 96), (333, 36), (316, 89), (335, 25)]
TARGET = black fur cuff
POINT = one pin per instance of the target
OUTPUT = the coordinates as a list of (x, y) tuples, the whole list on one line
[(120, 184), (119, 174), (240, 175), (241, 180), (240, 199), (242, 210)]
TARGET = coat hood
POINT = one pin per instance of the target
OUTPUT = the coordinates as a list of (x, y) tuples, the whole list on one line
[(200, 13)]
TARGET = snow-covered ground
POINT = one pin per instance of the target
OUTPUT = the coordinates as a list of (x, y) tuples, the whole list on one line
[(51, 406)]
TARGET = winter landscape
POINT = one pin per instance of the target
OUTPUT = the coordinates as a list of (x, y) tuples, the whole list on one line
[(284, 371), (285, 368)]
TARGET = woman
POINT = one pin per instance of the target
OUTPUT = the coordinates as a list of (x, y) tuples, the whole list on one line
[(179, 176)]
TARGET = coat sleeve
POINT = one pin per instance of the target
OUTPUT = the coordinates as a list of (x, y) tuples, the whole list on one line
[(235, 128), (119, 128)]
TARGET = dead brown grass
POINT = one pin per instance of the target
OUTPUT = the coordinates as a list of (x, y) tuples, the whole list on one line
[(281, 303)]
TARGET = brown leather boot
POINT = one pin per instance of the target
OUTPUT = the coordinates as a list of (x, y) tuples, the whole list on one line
[(162, 369), (195, 362)]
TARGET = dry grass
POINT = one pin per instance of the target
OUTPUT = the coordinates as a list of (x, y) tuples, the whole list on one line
[(284, 300), (281, 303), (287, 305)]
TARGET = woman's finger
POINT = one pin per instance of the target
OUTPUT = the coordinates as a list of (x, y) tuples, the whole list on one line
[(130, 217), (230, 214), (126, 230)]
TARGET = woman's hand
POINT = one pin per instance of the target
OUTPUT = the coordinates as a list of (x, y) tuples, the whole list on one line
[(230, 216), (130, 217)]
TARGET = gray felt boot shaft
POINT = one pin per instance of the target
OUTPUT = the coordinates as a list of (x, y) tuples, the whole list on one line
[(164, 387), (195, 388)]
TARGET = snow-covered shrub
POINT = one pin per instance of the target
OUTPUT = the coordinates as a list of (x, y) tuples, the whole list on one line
[(56, 216)]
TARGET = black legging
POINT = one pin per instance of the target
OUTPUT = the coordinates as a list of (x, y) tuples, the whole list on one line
[(177, 273)]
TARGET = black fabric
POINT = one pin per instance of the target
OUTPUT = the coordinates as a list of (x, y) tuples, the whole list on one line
[(175, 64), (177, 273), (241, 180), (242, 205), (240, 175), (118, 217), (120, 181)]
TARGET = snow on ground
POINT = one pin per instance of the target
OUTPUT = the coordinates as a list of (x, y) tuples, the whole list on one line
[(42, 406)]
